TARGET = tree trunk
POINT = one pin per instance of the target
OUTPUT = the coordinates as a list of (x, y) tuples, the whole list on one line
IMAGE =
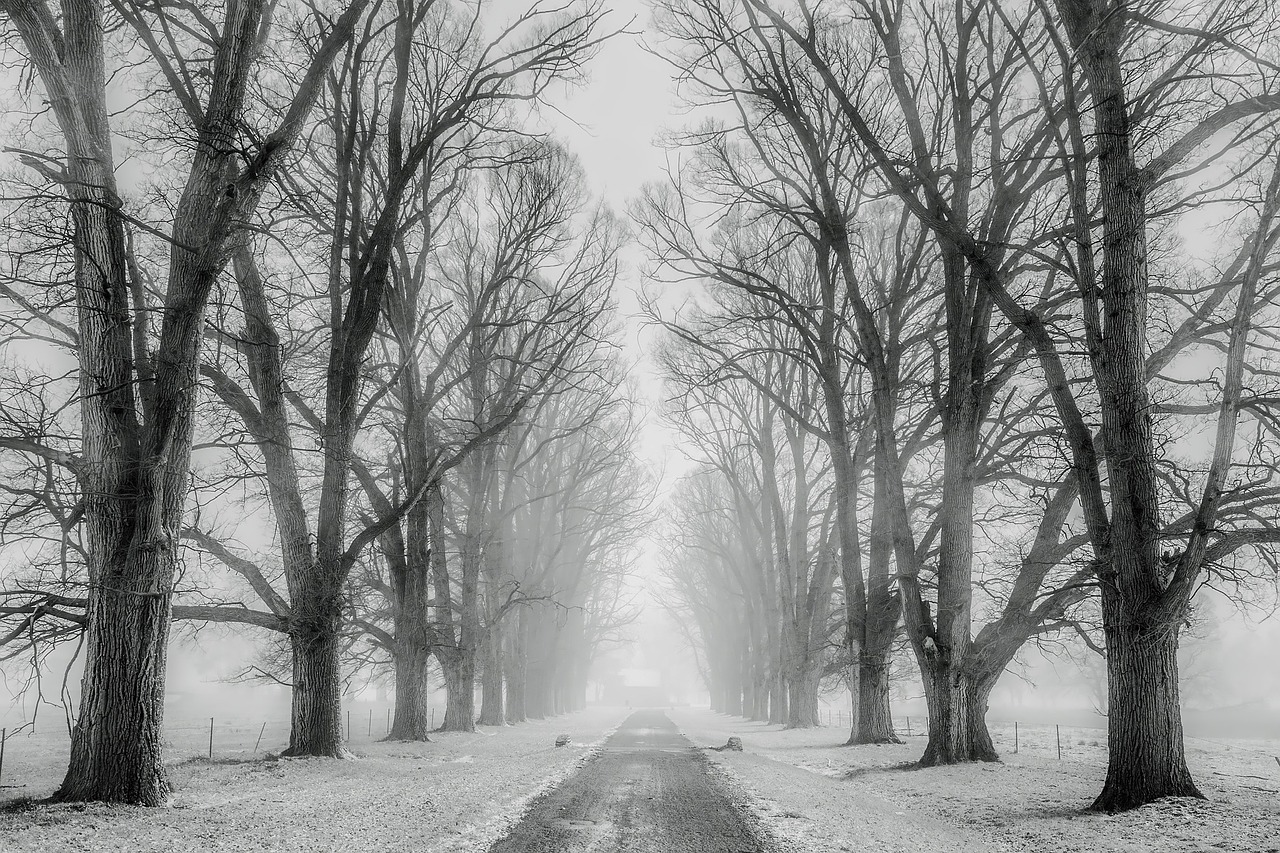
[(746, 673), (517, 670), (735, 688), (412, 716), (779, 702), (764, 691), (803, 705), (1145, 751), (492, 707), (459, 686), (874, 719), (115, 747), (957, 718), (317, 699), (1146, 758)]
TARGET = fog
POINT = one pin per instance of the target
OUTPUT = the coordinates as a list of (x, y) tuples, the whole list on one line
[(377, 380)]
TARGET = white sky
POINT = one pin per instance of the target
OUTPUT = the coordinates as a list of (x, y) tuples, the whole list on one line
[(613, 124)]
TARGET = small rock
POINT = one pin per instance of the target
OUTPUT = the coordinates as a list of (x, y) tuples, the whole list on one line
[(562, 740), (734, 745)]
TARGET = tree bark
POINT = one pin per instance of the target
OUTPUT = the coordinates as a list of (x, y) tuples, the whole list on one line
[(116, 744), (802, 707), (957, 719), (459, 686), (873, 722), (492, 705), (735, 686), (873, 719), (411, 718), (1145, 752), (779, 700), (949, 688), (317, 675)]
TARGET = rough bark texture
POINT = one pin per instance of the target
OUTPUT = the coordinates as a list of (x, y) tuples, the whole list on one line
[(459, 685), (949, 690), (802, 708), (316, 714), (957, 721), (874, 722), (116, 744), (411, 718), (1146, 759)]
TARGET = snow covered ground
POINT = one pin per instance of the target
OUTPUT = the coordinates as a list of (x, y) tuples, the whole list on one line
[(456, 794), (817, 797)]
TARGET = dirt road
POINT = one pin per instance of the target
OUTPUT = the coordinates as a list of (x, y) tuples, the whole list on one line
[(647, 792)]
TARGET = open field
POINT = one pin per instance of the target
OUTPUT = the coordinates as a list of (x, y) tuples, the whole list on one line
[(455, 794), (817, 796)]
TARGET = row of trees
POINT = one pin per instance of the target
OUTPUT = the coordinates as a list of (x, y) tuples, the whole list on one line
[(955, 246), (344, 331)]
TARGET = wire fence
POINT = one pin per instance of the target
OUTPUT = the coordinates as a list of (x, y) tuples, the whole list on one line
[(31, 754), (1013, 737)]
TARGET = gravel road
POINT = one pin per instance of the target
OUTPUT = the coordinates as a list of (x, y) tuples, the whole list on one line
[(648, 791)]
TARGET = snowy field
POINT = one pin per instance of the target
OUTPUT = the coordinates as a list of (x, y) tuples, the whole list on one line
[(459, 793), (817, 797), (456, 794)]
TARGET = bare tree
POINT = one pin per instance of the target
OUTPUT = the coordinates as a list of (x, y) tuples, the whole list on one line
[(393, 162), (1126, 112), (136, 402)]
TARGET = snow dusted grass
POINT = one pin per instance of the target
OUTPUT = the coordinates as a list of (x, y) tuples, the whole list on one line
[(458, 793), (818, 797)]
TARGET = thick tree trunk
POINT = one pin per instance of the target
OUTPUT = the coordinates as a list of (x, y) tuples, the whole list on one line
[(957, 719), (1146, 758), (316, 712), (459, 687), (411, 719), (316, 715), (115, 746), (779, 701), (874, 719), (802, 709), (1144, 740)]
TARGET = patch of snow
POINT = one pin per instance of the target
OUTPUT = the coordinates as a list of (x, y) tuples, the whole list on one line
[(456, 793), (814, 794)]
